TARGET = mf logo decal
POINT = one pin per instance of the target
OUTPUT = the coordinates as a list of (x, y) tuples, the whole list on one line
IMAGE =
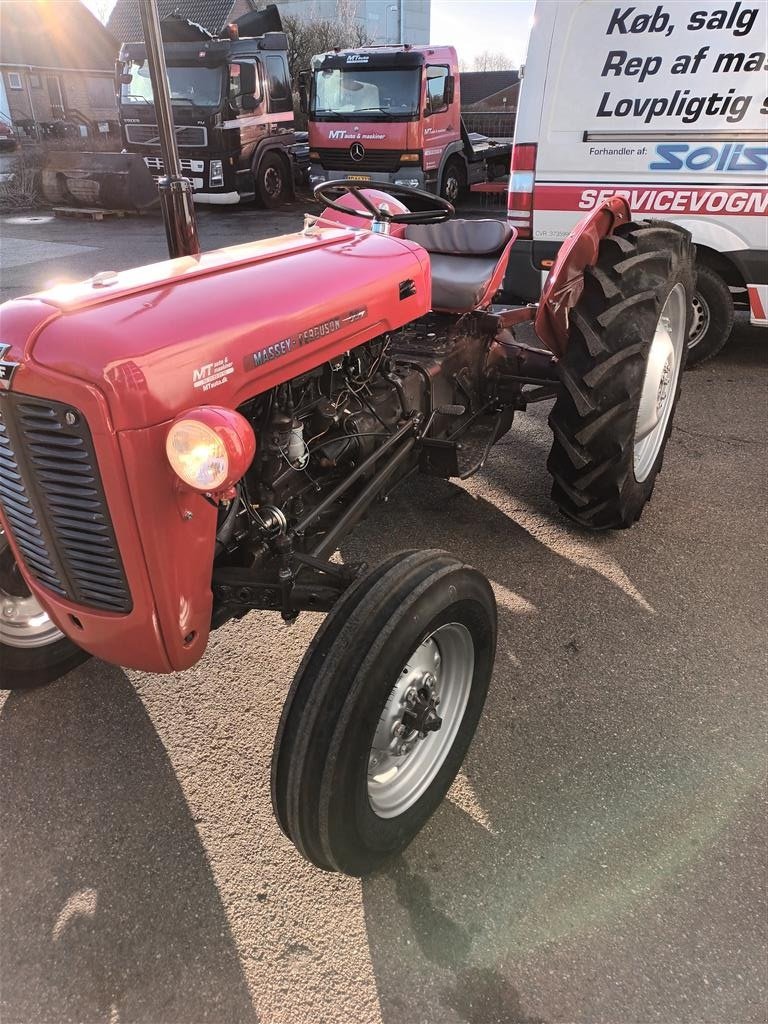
[(7, 369), (211, 375)]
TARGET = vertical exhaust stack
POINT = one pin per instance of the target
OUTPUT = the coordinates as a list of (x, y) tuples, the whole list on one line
[(175, 190)]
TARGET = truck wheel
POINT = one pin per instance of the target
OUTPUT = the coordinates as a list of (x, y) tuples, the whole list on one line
[(33, 651), (621, 374), (454, 183), (272, 184), (383, 709), (712, 316)]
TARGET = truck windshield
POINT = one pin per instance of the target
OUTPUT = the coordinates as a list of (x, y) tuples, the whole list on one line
[(380, 94), (196, 85)]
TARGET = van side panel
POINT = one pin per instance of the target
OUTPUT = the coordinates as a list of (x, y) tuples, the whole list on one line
[(663, 103)]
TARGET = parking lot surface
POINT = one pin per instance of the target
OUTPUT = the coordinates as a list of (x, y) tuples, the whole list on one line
[(601, 857)]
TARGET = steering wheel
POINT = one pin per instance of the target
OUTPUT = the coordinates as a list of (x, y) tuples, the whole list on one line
[(438, 210)]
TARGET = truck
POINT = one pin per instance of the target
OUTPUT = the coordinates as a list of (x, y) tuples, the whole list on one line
[(232, 106), (664, 104), (393, 114)]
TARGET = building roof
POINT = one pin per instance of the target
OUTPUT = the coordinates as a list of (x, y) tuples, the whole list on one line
[(478, 85), (125, 21), (55, 35)]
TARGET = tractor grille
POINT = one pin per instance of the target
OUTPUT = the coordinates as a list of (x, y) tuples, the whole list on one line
[(186, 135), (374, 160), (53, 500)]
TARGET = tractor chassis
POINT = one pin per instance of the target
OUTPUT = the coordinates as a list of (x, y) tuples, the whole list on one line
[(295, 575)]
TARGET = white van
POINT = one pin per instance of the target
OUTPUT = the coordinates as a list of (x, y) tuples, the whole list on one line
[(666, 104)]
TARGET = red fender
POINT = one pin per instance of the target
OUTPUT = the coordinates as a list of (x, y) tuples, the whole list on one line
[(565, 281)]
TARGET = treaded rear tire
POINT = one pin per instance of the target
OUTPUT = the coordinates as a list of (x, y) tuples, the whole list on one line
[(320, 761), (611, 329)]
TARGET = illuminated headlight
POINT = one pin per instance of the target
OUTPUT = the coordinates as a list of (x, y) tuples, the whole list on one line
[(216, 175), (408, 182), (410, 158), (210, 448)]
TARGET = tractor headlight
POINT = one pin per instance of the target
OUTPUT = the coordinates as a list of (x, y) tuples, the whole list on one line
[(216, 174), (210, 448)]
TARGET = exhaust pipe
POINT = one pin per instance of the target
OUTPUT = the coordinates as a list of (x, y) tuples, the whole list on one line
[(175, 190)]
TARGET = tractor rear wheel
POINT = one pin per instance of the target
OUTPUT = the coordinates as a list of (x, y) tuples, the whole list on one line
[(621, 374), (383, 709)]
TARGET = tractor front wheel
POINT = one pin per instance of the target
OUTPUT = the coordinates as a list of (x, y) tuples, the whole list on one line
[(621, 374), (383, 709), (33, 650)]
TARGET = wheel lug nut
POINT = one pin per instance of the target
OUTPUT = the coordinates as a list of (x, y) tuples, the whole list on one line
[(9, 611)]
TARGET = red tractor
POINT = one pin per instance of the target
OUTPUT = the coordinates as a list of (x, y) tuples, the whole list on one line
[(185, 443)]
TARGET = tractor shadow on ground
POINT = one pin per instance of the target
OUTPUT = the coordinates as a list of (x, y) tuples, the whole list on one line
[(571, 792), (110, 909)]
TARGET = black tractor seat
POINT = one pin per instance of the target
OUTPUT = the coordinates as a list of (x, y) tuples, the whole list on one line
[(464, 255)]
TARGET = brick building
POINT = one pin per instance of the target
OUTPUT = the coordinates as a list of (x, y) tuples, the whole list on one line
[(57, 62)]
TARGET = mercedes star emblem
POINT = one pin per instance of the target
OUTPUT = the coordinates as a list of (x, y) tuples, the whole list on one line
[(357, 151)]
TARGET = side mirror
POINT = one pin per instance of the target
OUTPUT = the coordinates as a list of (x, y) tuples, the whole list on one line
[(449, 89), (248, 103), (125, 79), (304, 92)]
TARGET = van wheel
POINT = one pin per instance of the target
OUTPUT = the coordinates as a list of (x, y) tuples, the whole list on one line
[(272, 185), (713, 315), (621, 374), (33, 651), (383, 709), (454, 184)]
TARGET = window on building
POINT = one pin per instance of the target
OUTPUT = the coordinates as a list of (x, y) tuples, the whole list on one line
[(436, 78), (101, 92), (14, 80), (34, 81), (278, 84)]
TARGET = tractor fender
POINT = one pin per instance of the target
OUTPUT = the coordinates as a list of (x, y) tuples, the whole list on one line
[(565, 281)]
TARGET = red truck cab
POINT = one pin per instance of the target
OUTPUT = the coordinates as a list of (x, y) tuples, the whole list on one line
[(393, 114)]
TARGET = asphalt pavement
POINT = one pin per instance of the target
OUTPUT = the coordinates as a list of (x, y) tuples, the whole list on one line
[(601, 857)]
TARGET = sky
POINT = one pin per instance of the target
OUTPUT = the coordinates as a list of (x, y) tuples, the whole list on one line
[(472, 26)]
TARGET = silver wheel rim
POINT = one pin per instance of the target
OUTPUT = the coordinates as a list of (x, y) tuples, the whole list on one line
[(23, 623), (273, 182), (662, 371), (451, 188), (435, 680), (701, 317)]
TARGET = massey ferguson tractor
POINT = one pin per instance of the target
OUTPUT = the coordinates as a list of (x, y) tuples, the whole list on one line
[(186, 443)]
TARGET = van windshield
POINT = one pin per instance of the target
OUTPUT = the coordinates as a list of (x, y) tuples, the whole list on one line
[(198, 85), (383, 94)]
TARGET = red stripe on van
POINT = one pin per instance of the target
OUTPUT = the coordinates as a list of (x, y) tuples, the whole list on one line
[(704, 200)]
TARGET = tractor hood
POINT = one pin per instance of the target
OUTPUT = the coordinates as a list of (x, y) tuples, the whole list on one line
[(215, 329)]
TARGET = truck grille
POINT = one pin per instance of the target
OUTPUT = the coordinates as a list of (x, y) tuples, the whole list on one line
[(186, 135), (374, 160), (53, 500), (157, 169)]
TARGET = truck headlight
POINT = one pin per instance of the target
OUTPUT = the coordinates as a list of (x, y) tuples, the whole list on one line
[(210, 448), (408, 182), (216, 174)]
